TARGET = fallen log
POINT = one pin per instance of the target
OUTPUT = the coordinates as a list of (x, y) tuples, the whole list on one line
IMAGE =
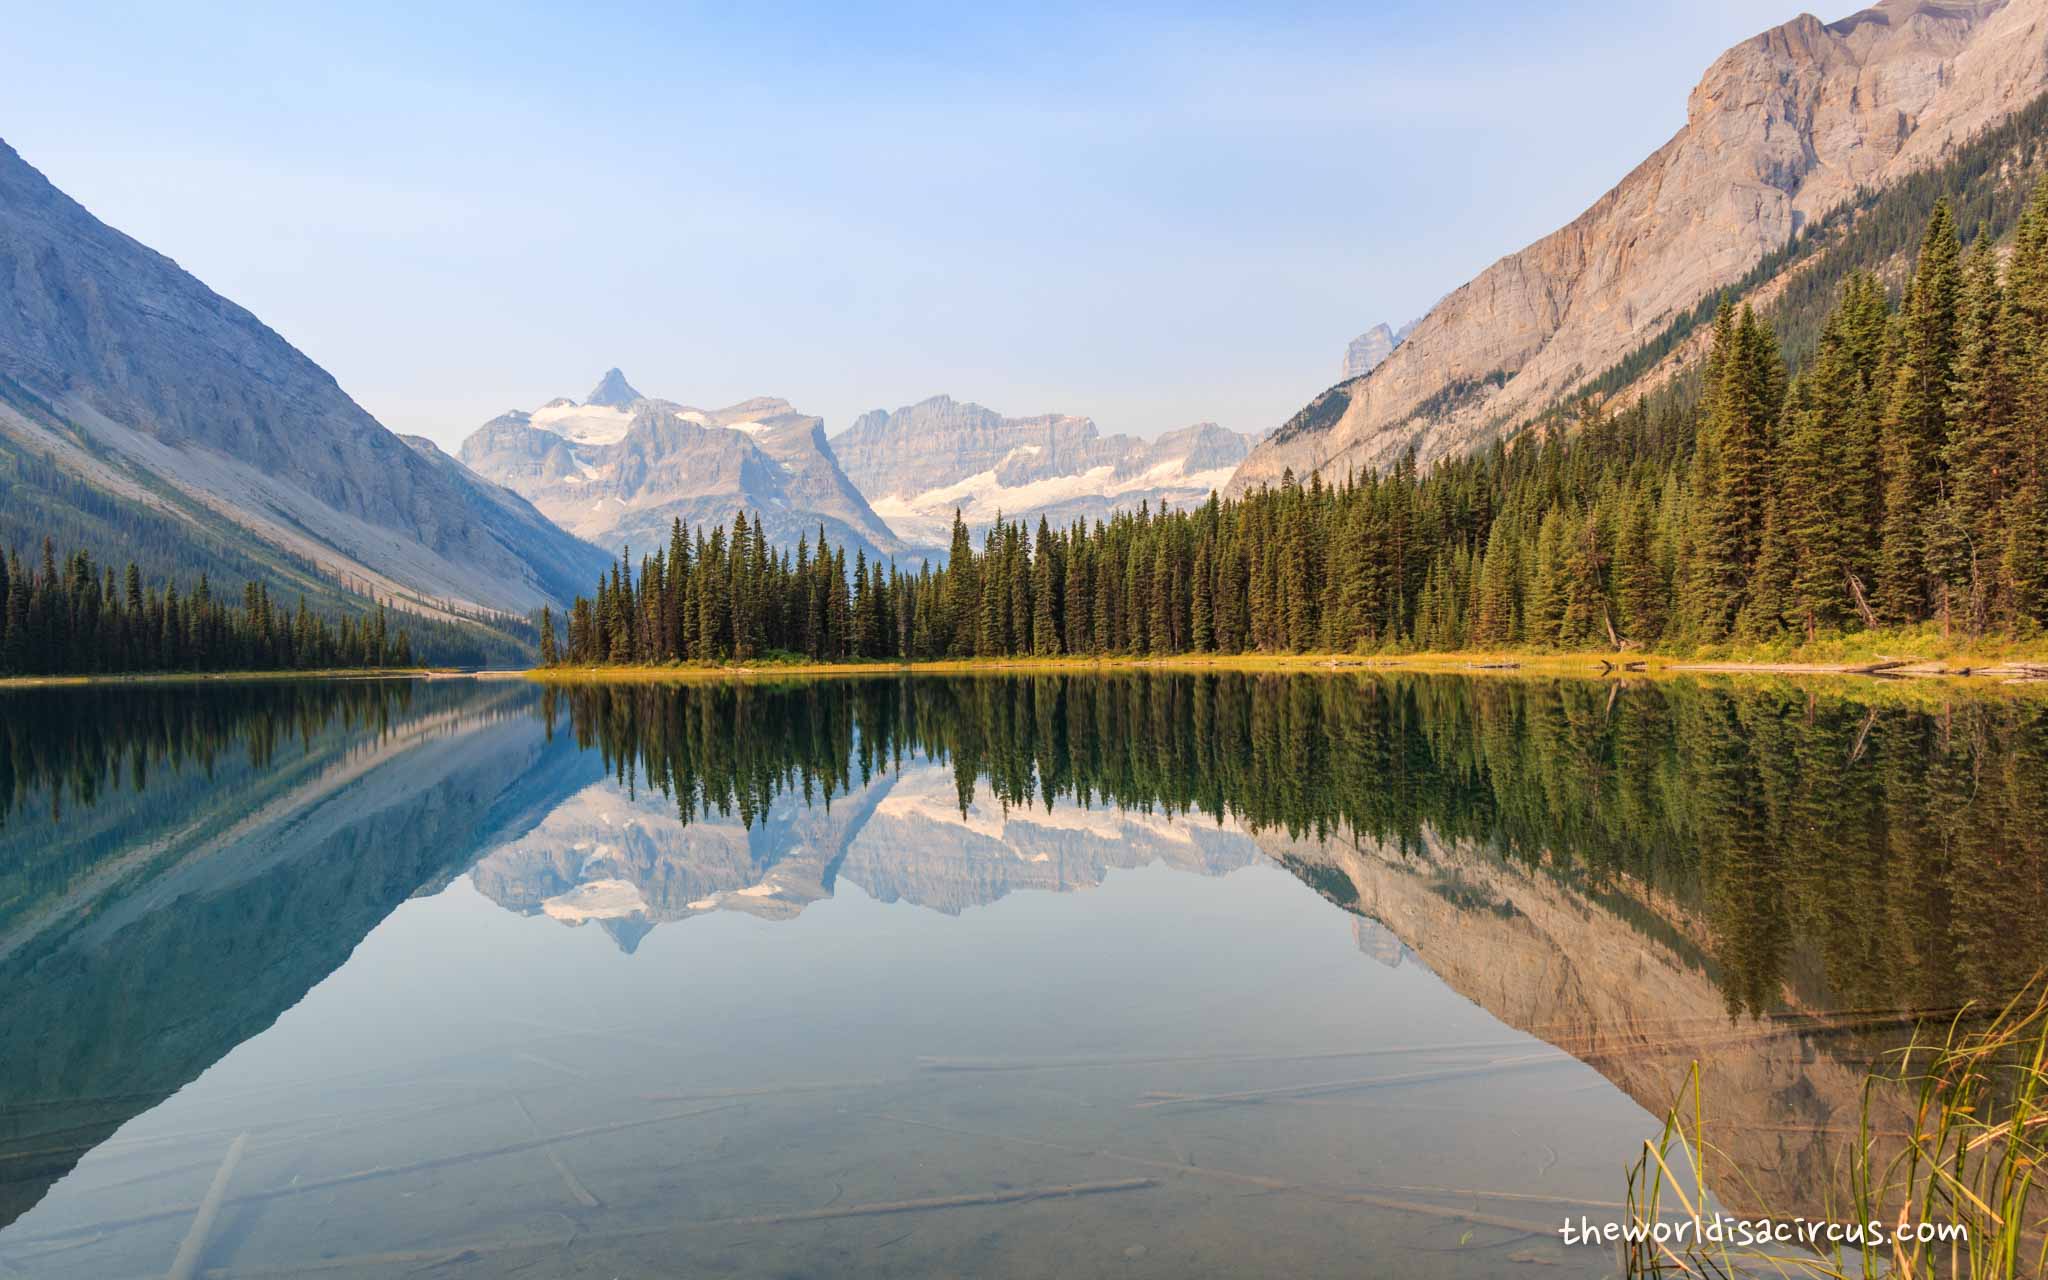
[(1863, 736), (1207, 1059), (1362, 1082), (186, 1264), (577, 1191), (891, 1207), (1266, 1182)]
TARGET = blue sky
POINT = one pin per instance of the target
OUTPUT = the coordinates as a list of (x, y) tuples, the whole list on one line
[(1153, 216)]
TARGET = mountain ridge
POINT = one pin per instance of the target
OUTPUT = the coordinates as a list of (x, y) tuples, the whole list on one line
[(625, 472), (129, 373), (920, 462), (1781, 129)]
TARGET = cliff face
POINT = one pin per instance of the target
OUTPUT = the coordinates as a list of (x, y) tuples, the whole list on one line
[(1781, 129)]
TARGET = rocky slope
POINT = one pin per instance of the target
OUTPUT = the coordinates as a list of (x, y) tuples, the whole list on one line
[(1782, 128), (620, 467), (156, 391), (918, 463)]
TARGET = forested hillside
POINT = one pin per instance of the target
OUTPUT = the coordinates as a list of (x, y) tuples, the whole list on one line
[(1899, 480), (1802, 126), (73, 618), (1985, 183)]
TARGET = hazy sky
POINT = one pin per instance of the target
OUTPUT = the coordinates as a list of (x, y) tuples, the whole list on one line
[(1152, 216)]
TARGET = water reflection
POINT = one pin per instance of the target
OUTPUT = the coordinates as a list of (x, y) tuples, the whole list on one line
[(1807, 847), (180, 865), (1776, 879)]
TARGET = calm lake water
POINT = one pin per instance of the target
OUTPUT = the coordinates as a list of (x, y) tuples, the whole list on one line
[(1134, 975)]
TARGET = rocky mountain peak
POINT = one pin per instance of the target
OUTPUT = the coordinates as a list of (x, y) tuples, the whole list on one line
[(622, 472), (612, 391), (1367, 350)]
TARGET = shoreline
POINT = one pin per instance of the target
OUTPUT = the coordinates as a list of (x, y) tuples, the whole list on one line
[(1586, 665), (231, 677), (1985, 670)]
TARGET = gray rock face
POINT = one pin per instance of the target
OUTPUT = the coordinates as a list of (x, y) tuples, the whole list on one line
[(622, 473), (1367, 350), (136, 376), (612, 390), (918, 463), (1782, 128)]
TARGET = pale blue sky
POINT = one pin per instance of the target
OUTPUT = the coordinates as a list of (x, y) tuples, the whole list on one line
[(1154, 216)]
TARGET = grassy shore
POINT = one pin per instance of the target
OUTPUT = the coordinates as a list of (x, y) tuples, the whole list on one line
[(1974, 1101), (218, 677), (1904, 661)]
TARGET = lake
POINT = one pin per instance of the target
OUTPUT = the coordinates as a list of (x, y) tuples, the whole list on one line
[(1141, 974)]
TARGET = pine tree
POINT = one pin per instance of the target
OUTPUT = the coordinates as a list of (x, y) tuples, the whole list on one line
[(1744, 384), (1201, 600), (1045, 628), (1641, 594), (1982, 455), (1582, 619), (1543, 595), (1493, 620), (1916, 421)]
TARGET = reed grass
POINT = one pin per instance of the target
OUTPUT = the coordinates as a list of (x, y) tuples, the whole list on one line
[(1977, 1100)]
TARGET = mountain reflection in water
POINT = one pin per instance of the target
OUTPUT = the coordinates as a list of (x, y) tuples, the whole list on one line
[(1777, 879)]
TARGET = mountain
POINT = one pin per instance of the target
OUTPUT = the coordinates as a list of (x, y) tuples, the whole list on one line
[(1367, 350), (612, 391), (619, 467), (1783, 129), (921, 461), (154, 394), (628, 863)]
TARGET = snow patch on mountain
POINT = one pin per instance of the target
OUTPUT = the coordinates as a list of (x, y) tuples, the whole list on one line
[(621, 474), (919, 463), (585, 424)]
